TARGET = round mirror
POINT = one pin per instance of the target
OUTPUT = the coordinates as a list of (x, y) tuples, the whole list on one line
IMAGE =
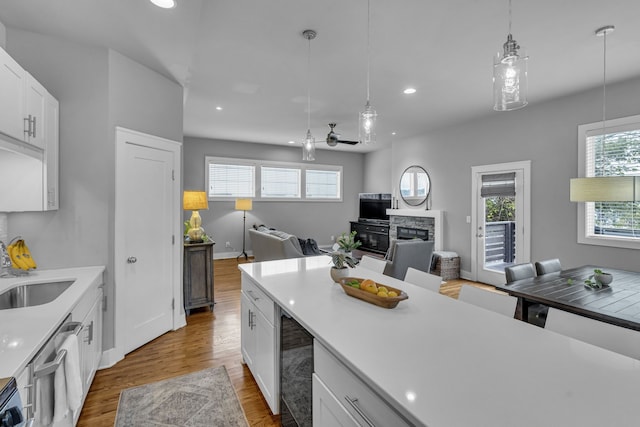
[(415, 185)]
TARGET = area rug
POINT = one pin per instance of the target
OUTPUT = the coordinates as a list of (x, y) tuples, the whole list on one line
[(203, 398)]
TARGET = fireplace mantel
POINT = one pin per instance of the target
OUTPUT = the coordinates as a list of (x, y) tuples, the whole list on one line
[(438, 217)]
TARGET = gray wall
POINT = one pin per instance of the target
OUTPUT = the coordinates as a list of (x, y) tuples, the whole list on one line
[(318, 220), (377, 173), (97, 89), (544, 133)]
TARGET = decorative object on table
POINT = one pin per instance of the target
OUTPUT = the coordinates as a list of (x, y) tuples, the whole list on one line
[(341, 261), (195, 201), (347, 242), (244, 205), (374, 293), (415, 185), (509, 75), (599, 279), (202, 398)]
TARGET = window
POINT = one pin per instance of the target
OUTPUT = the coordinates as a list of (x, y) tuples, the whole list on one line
[(617, 154), (323, 184), (229, 178), (280, 182)]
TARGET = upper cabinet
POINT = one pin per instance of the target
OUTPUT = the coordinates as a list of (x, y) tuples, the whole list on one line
[(29, 120)]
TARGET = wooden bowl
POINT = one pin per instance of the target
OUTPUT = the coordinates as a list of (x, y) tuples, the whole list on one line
[(386, 302)]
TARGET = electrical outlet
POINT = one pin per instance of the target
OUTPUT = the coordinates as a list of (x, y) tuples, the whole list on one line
[(227, 245), (333, 238)]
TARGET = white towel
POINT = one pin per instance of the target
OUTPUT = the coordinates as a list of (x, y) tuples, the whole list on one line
[(67, 383)]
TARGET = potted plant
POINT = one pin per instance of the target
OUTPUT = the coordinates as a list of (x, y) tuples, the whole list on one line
[(600, 279), (341, 261), (348, 242)]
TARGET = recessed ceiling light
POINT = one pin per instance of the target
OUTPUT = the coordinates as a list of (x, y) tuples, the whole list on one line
[(219, 108), (409, 90), (165, 4), (292, 142), (393, 133)]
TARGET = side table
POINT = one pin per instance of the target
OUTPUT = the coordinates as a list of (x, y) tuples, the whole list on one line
[(197, 278)]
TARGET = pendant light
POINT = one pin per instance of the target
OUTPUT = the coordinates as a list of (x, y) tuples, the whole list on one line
[(510, 75), (367, 118), (309, 142), (605, 188)]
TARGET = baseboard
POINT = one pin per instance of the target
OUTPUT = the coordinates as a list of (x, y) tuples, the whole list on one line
[(465, 275), (109, 358), (229, 255)]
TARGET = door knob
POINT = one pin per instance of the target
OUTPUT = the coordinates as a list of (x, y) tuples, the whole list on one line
[(132, 260)]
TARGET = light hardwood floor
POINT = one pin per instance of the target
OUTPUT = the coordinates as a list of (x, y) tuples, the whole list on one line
[(209, 340)]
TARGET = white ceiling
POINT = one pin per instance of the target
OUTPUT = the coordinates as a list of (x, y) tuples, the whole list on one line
[(249, 57)]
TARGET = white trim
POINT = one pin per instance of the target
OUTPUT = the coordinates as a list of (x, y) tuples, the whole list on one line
[(179, 320), (525, 246)]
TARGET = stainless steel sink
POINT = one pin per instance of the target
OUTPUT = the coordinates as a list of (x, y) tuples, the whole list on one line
[(31, 294)]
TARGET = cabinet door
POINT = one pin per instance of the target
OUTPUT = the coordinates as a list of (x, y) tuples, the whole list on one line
[(22, 381), (34, 112), (327, 410), (91, 343), (265, 360), (247, 335), (51, 159), (12, 99)]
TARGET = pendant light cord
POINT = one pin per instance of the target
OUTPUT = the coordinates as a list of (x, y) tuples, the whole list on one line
[(309, 86), (509, 17), (604, 98), (369, 44)]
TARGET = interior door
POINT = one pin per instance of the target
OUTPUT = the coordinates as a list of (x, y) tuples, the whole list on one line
[(146, 215), (500, 225)]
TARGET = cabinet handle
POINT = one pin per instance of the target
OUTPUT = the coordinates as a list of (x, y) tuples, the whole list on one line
[(89, 338), (34, 127), (354, 405), (27, 125), (255, 298), (249, 318), (253, 320)]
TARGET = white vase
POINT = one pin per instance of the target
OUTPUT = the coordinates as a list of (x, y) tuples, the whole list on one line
[(338, 273)]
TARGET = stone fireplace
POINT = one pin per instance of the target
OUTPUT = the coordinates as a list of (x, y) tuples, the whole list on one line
[(416, 219)]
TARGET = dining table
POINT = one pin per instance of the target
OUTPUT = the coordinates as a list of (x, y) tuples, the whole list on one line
[(617, 303)]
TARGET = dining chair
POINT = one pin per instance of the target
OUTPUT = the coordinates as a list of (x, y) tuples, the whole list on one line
[(494, 301), (423, 279), (519, 272), (373, 264), (615, 338), (548, 266)]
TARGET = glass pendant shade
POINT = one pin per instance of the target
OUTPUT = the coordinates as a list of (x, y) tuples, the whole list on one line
[(309, 148), (510, 78), (367, 125)]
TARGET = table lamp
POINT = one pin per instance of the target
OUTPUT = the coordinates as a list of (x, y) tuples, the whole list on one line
[(194, 201), (244, 205)]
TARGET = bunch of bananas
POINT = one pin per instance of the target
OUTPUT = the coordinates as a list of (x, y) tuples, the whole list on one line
[(20, 255)]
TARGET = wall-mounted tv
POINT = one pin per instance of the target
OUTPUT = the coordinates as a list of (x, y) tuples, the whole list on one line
[(373, 207)]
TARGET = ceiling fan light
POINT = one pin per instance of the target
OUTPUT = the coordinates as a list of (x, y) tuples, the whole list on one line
[(165, 4), (309, 147), (367, 125)]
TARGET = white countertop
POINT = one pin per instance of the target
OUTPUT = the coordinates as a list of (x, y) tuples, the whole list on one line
[(23, 330), (442, 362)]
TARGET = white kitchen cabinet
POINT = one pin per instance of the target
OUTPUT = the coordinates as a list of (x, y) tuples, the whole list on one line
[(34, 113), (350, 392), (12, 96), (24, 387), (51, 153), (90, 343), (258, 341), (327, 410)]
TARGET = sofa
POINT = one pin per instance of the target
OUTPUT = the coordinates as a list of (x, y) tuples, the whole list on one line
[(268, 244), (403, 254)]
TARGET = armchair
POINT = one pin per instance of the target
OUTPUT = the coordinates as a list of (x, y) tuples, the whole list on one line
[(409, 253)]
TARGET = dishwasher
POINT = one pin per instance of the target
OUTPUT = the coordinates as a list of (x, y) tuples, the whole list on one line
[(42, 368)]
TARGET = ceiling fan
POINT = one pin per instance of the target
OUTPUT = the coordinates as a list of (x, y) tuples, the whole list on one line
[(333, 138)]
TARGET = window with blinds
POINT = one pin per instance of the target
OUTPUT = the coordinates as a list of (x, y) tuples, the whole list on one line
[(323, 184), (229, 178), (280, 182), (615, 154)]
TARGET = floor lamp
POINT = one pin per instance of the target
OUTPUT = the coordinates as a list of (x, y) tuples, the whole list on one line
[(244, 205)]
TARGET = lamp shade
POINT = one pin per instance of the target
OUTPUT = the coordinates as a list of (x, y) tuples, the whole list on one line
[(194, 200), (244, 204), (605, 189)]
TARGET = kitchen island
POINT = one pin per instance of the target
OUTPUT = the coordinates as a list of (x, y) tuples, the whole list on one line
[(441, 362)]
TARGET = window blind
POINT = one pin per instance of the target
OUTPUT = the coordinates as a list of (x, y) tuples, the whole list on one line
[(229, 180), (322, 184), (280, 182), (498, 185)]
